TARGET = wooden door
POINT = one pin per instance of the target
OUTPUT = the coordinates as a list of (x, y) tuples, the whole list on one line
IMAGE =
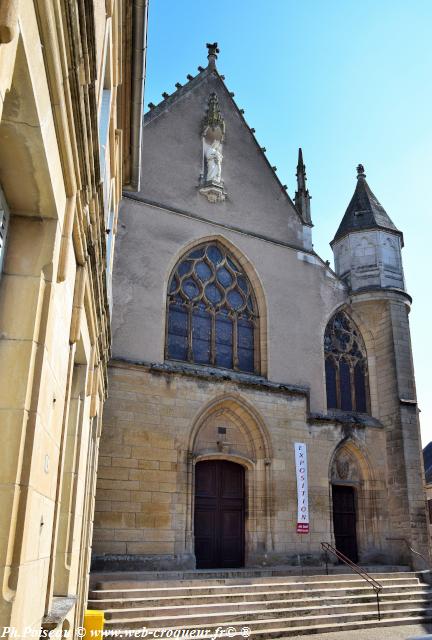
[(344, 520), (219, 514)]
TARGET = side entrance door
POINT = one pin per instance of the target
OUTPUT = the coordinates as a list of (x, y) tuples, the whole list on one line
[(344, 521), (219, 514)]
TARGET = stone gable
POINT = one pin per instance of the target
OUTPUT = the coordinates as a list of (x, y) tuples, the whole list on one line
[(172, 162)]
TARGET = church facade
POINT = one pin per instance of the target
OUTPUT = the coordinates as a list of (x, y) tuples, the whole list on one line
[(235, 345)]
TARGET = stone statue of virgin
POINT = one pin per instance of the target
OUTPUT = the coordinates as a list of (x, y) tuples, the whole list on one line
[(214, 157)]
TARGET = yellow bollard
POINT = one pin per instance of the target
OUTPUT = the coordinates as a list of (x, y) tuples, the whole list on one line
[(94, 623)]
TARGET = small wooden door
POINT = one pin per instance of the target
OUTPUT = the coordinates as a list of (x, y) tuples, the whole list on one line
[(344, 520), (219, 514)]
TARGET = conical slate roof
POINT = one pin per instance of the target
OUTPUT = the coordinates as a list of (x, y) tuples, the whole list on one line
[(364, 211)]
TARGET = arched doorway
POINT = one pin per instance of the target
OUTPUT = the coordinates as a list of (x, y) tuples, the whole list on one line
[(354, 495), (219, 522)]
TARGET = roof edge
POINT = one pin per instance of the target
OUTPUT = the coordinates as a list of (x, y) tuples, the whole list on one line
[(204, 73), (375, 227)]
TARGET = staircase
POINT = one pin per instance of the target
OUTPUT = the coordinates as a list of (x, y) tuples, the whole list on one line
[(260, 606)]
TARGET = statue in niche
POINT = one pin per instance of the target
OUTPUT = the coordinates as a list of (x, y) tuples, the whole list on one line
[(212, 133), (213, 156)]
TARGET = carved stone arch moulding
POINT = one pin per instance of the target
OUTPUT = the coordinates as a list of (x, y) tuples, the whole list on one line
[(233, 408), (229, 428), (344, 467), (213, 265), (350, 462), (350, 465)]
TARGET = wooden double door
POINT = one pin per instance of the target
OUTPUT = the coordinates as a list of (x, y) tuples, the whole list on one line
[(344, 520), (219, 514)]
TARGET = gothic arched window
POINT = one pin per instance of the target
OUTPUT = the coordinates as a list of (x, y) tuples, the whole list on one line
[(212, 311), (345, 366)]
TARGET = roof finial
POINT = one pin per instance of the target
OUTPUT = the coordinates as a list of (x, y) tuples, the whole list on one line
[(301, 171), (302, 197), (360, 171), (300, 162), (212, 54)]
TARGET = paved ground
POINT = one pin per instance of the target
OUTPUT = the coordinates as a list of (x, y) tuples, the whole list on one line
[(381, 633)]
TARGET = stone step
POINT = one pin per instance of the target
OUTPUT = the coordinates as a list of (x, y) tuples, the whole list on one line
[(100, 599), (158, 619), (328, 628), (128, 581), (279, 632), (267, 626), (149, 608), (282, 605), (134, 591), (230, 574)]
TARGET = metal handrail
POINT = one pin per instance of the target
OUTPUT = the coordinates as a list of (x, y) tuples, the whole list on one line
[(376, 586), (417, 553)]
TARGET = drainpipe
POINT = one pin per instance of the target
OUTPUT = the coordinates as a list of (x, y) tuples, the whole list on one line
[(139, 49)]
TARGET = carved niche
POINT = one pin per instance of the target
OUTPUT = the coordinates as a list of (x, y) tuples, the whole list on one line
[(212, 135), (345, 468), (220, 434)]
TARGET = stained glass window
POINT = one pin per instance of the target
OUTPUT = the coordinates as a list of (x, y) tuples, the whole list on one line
[(345, 365), (212, 311)]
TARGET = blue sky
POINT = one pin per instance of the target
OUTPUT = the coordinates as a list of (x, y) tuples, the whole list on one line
[(349, 82)]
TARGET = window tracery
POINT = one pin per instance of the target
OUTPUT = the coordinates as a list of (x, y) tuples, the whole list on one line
[(212, 311), (345, 366)]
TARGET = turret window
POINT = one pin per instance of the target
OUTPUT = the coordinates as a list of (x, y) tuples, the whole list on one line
[(345, 366), (212, 311)]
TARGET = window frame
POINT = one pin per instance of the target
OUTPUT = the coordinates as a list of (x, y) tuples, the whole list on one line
[(352, 361), (188, 306)]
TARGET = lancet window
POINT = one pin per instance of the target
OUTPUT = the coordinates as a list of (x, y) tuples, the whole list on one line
[(212, 311), (345, 365)]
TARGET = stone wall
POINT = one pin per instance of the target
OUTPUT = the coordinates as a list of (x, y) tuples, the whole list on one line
[(383, 317), (159, 422), (54, 307)]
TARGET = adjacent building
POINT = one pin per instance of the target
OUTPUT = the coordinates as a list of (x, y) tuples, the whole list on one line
[(234, 343), (71, 91)]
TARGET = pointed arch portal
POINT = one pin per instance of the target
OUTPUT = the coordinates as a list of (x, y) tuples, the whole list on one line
[(228, 521), (353, 499)]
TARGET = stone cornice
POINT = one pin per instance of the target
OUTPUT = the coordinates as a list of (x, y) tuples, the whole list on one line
[(374, 293), (213, 374), (351, 418)]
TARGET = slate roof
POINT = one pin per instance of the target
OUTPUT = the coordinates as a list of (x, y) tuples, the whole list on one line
[(364, 211)]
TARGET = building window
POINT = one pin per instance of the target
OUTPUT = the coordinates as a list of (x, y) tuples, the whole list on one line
[(4, 227), (104, 122), (109, 234), (212, 311), (345, 366)]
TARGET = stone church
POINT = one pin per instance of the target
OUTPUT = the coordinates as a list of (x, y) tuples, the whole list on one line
[(260, 403)]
